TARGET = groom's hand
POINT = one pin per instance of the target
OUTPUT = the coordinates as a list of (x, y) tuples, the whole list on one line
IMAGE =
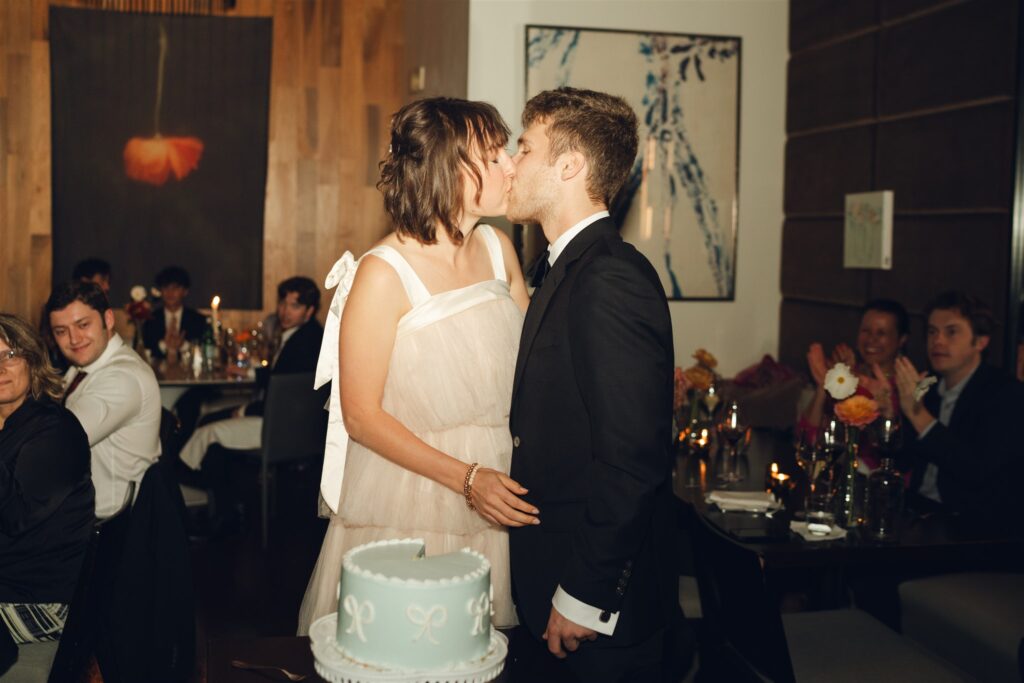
[(563, 634)]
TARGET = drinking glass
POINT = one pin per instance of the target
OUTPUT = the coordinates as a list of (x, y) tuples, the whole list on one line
[(733, 432), (822, 470)]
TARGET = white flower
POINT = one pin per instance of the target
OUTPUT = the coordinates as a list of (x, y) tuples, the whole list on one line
[(138, 293), (154, 292), (840, 382)]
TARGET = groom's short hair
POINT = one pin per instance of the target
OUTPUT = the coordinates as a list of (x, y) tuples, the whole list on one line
[(600, 126)]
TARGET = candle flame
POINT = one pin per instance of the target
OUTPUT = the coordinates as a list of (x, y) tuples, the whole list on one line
[(775, 469), (216, 302)]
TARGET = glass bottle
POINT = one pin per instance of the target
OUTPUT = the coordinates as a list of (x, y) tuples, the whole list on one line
[(885, 500), (210, 351)]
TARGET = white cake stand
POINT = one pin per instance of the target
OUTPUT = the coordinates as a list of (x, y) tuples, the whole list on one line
[(334, 666)]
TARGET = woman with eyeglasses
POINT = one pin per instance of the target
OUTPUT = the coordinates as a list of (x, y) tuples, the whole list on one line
[(46, 493)]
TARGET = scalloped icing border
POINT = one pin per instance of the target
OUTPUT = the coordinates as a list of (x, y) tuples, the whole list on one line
[(348, 563)]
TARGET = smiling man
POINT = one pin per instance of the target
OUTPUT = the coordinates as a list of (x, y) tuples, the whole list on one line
[(965, 457), (109, 388)]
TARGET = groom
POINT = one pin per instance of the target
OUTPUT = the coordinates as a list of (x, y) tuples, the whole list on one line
[(591, 405)]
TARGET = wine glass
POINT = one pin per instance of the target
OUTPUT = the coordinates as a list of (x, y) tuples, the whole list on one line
[(732, 431), (828, 451), (886, 436)]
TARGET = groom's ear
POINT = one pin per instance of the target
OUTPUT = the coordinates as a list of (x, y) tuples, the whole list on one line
[(571, 164)]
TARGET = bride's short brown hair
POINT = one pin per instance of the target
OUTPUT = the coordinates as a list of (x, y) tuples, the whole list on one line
[(432, 140)]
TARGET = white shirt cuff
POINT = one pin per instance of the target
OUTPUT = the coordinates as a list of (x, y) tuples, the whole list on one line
[(583, 614)]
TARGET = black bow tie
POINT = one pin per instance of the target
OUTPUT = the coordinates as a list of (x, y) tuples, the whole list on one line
[(539, 270)]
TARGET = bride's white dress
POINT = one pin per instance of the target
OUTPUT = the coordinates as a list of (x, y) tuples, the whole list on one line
[(450, 382)]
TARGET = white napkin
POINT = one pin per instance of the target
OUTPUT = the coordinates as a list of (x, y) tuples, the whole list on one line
[(835, 533), (744, 501)]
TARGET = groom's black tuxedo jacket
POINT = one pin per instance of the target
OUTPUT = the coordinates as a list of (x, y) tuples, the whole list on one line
[(591, 427)]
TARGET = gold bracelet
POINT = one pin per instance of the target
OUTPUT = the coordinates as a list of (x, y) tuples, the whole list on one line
[(467, 485)]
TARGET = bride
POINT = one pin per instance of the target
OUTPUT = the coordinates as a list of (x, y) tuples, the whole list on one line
[(430, 320)]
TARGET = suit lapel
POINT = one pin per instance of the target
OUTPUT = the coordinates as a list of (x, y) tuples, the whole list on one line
[(546, 292)]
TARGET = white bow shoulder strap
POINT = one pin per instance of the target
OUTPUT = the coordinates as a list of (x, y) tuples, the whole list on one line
[(336, 444)]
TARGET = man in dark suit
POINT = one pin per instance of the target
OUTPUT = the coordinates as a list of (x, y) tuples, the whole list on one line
[(172, 323), (591, 407), (965, 453)]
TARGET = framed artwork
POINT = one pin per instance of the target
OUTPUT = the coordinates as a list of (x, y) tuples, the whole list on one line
[(867, 230), (159, 147), (680, 204)]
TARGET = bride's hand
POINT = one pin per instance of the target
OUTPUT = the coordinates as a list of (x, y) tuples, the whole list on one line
[(496, 497)]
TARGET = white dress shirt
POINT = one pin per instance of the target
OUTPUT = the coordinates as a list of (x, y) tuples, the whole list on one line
[(929, 487), (569, 607), (118, 404), (173, 320)]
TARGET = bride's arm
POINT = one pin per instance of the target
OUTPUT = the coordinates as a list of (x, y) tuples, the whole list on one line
[(368, 327)]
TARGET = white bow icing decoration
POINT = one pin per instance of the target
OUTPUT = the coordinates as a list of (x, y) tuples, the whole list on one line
[(427, 620), (360, 613), (479, 608)]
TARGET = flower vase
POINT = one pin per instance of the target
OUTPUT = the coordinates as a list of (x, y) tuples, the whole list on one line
[(851, 487)]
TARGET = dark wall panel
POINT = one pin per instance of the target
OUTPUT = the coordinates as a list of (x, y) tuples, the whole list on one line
[(957, 55), (805, 322), (821, 168), (934, 253), (914, 96), (956, 160), (832, 84), (815, 21), (812, 263)]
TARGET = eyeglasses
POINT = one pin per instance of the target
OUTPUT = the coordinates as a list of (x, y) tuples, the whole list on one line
[(8, 357)]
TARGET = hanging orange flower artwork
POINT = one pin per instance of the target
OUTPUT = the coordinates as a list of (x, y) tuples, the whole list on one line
[(153, 160)]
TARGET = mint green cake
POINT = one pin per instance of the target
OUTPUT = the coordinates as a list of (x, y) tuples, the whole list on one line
[(398, 609)]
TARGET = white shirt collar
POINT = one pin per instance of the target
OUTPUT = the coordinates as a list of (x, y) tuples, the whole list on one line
[(113, 345), (953, 393), (172, 315), (559, 245)]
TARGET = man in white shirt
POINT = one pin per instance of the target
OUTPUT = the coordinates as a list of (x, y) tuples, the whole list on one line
[(109, 388)]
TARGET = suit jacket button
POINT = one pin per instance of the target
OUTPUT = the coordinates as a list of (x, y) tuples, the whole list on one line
[(515, 442), (620, 591)]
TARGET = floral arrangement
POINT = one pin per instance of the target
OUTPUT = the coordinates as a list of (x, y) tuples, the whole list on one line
[(852, 409), (139, 308), (699, 378)]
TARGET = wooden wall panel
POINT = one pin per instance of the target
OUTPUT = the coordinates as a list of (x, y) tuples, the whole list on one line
[(832, 84), (965, 53), (821, 168), (941, 136), (335, 80), (816, 21), (961, 159), (812, 263)]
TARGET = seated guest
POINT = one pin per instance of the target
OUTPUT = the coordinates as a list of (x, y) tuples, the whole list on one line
[(93, 270), (882, 336), (110, 389), (172, 323), (90, 270), (298, 299), (46, 495), (966, 455)]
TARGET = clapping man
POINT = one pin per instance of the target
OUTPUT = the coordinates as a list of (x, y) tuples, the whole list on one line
[(965, 454), (173, 323)]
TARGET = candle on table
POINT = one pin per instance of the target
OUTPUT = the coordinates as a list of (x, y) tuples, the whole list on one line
[(215, 305)]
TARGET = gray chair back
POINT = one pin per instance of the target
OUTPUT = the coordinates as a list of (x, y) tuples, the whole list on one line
[(294, 419)]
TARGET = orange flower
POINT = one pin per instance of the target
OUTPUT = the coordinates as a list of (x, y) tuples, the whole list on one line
[(152, 160), (243, 337), (705, 358), (699, 377), (857, 411)]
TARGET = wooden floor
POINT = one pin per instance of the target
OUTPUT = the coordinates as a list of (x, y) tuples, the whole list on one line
[(242, 590)]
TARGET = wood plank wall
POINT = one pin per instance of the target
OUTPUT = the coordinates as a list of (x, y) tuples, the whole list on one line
[(336, 77), (915, 96)]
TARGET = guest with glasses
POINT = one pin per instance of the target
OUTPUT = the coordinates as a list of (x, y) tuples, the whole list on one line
[(46, 493)]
